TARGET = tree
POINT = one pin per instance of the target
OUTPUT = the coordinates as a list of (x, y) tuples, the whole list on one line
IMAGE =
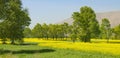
[(3, 9), (45, 30), (105, 29), (117, 32), (73, 34), (94, 29), (27, 32), (65, 29), (61, 31), (16, 17), (52, 31), (85, 20), (37, 31), (3, 34), (73, 37)]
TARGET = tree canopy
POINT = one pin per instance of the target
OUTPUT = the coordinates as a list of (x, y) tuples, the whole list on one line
[(16, 17), (86, 21)]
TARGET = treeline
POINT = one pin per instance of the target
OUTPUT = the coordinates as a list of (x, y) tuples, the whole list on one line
[(69, 32), (45, 31), (84, 27)]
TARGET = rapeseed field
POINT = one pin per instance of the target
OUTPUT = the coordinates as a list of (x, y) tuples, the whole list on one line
[(103, 47)]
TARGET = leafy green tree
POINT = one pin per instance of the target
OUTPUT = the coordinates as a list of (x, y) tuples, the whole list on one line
[(3, 34), (45, 30), (106, 29), (16, 17), (73, 34), (70, 30), (86, 20), (94, 29), (55, 28), (53, 31), (113, 33), (27, 32), (60, 31), (3, 9), (73, 37), (65, 29), (117, 32), (37, 31)]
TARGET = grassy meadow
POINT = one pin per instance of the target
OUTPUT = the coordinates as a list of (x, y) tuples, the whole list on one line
[(37, 48)]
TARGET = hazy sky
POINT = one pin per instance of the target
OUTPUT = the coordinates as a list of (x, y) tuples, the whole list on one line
[(53, 11)]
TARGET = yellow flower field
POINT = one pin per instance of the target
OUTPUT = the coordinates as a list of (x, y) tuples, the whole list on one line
[(6, 42), (106, 48)]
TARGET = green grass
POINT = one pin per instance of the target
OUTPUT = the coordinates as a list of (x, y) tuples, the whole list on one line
[(35, 51)]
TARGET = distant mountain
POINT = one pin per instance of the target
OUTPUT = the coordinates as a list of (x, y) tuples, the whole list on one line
[(113, 16)]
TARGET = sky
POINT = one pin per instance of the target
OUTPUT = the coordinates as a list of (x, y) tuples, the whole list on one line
[(53, 11)]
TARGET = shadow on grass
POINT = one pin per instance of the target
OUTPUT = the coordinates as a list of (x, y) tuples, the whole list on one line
[(27, 51), (25, 44)]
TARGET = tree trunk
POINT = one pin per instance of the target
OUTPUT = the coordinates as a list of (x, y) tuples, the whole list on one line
[(108, 40), (73, 40), (87, 40), (56, 37), (47, 37), (87, 37), (13, 41), (53, 37), (4, 42)]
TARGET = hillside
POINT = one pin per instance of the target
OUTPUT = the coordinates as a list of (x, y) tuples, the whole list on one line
[(113, 16)]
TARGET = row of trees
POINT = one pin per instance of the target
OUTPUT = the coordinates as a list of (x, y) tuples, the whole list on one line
[(65, 31), (48, 31), (85, 27), (13, 19)]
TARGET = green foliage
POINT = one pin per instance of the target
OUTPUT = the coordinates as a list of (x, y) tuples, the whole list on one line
[(3, 33), (65, 29), (37, 31), (105, 29), (54, 31), (45, 30), (73, 37), (117, 32), (27, 32), (86, 21), (15, 17)]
